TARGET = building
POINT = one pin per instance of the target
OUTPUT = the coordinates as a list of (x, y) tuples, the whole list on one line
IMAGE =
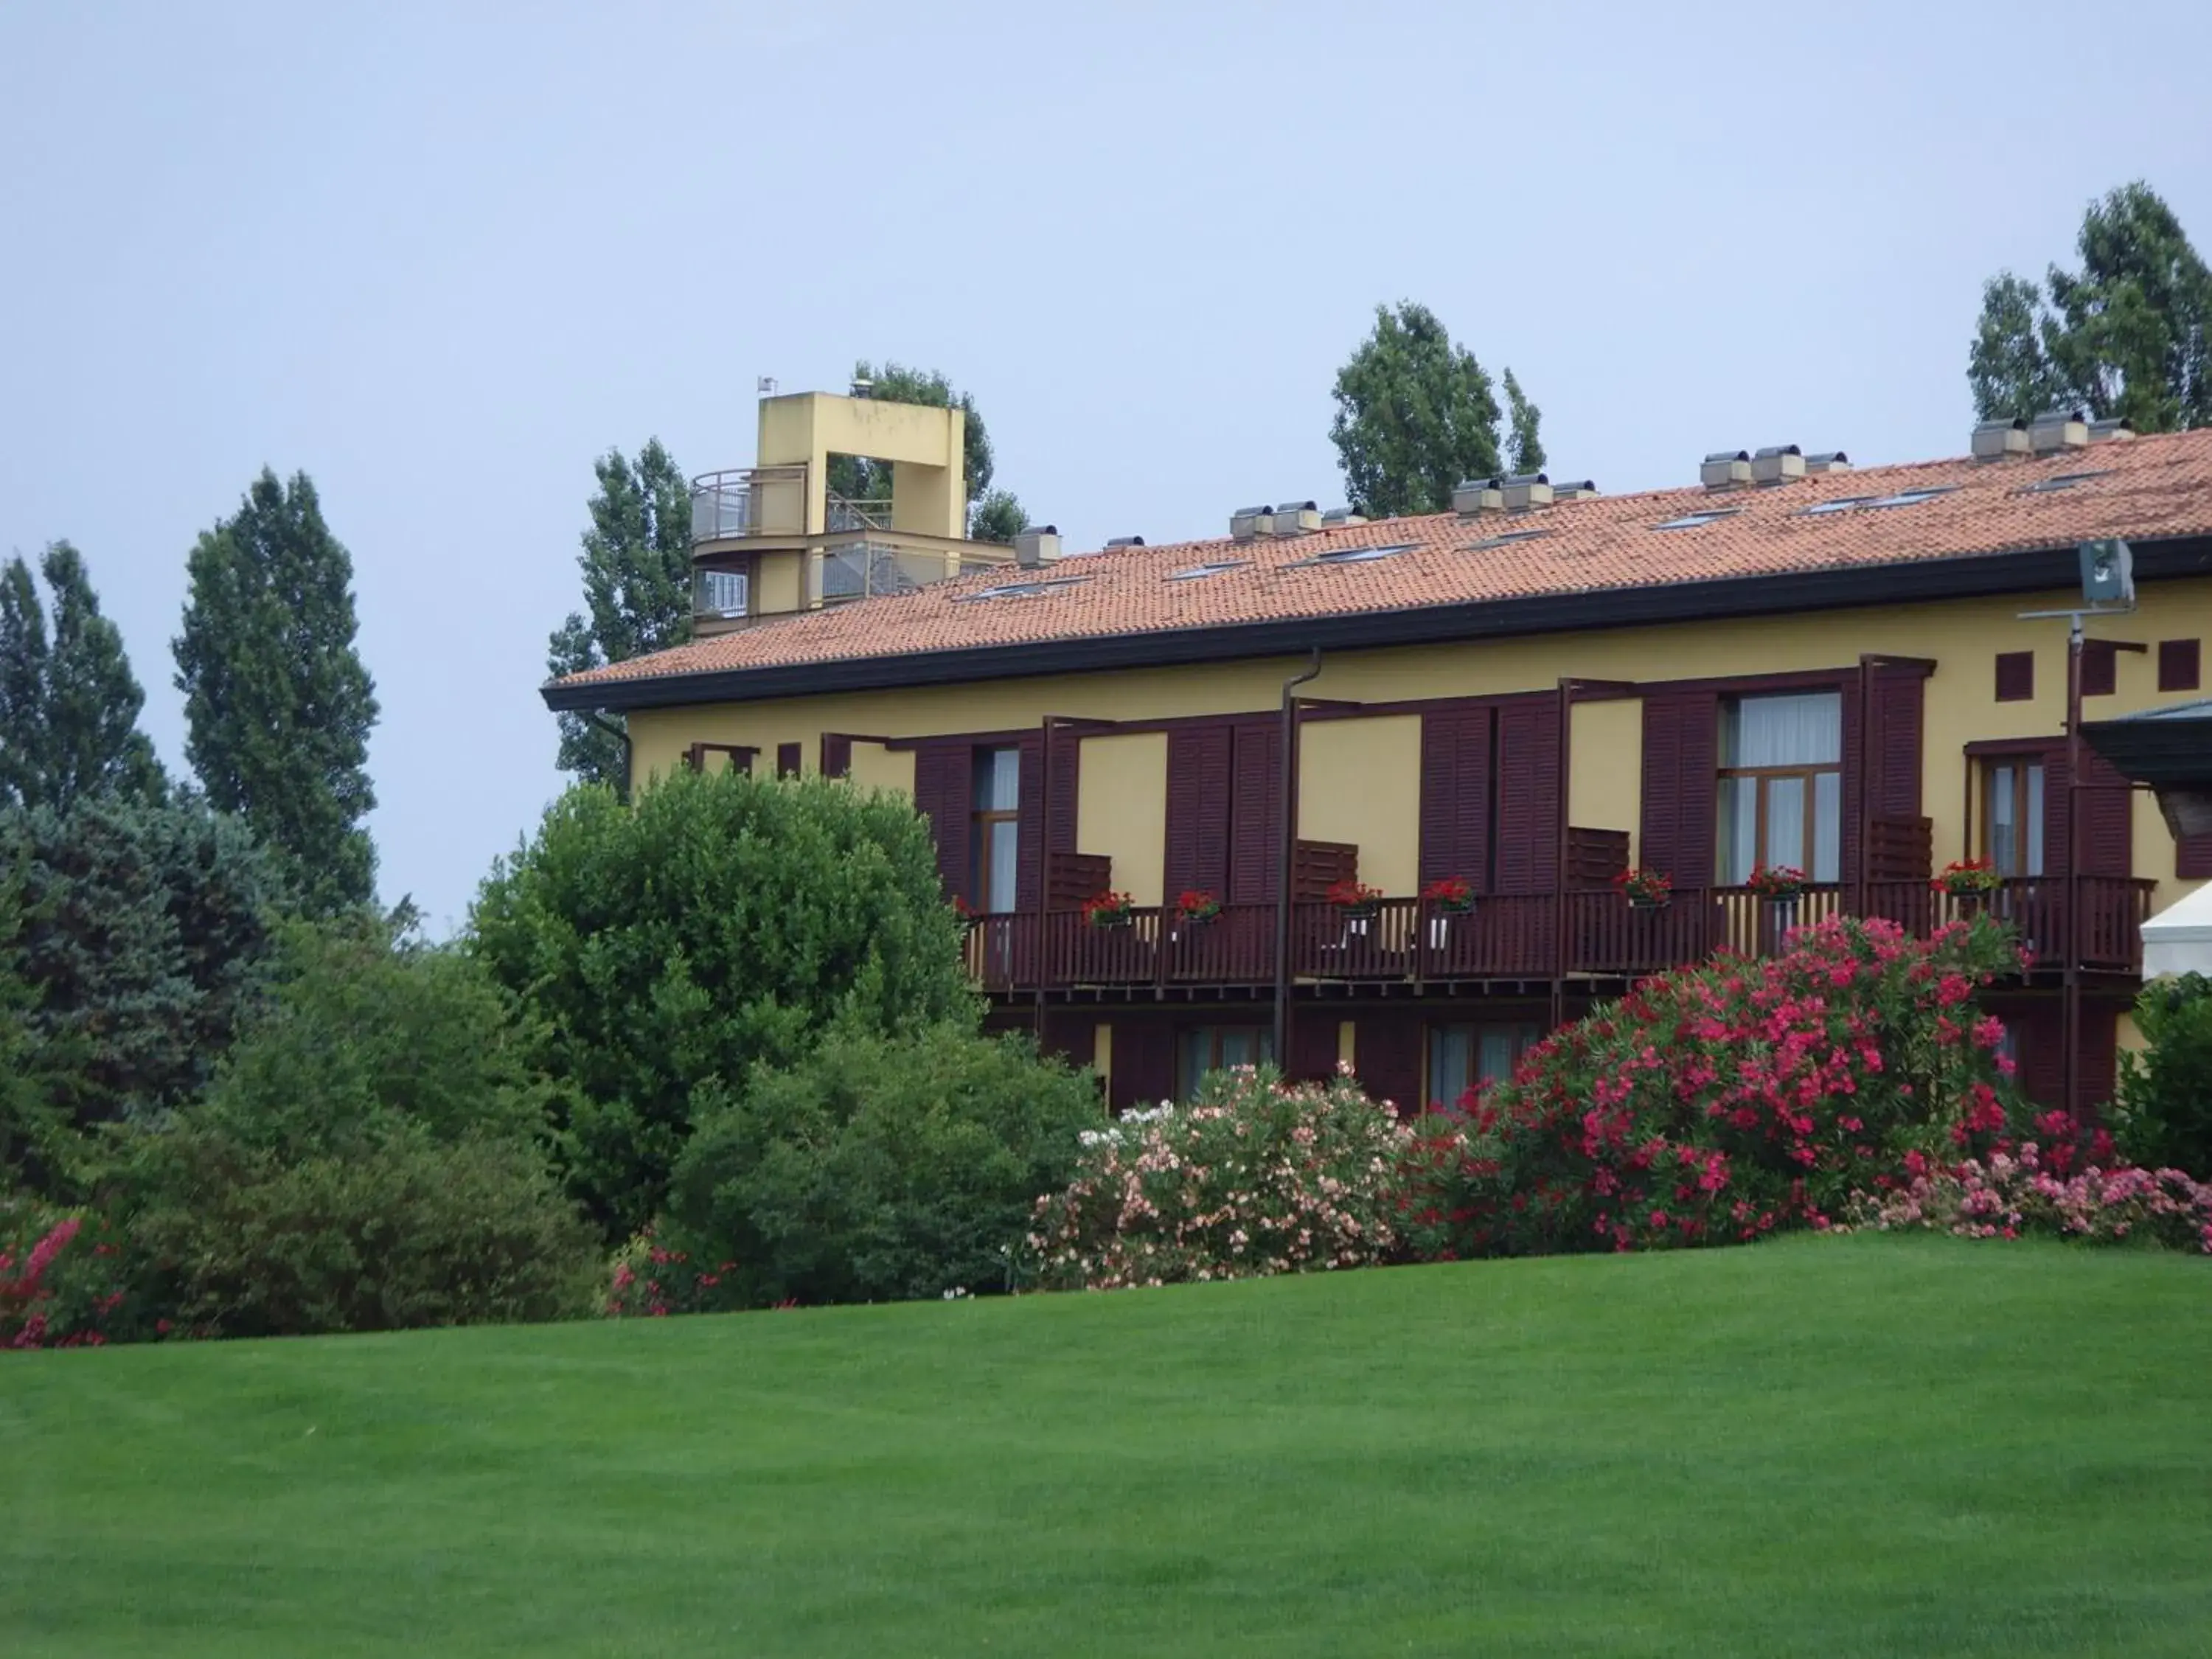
[(1787, 663)]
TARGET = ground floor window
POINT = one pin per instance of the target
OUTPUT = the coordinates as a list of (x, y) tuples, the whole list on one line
[(1462, 1056), (1203, 1048)]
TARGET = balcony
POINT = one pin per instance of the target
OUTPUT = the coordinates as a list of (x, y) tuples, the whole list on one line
[(752, 500), (1516, 938)]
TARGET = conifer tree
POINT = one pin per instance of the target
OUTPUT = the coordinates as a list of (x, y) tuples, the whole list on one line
[(277, 704), (68, 704)]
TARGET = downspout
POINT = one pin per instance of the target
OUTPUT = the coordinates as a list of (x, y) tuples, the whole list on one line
[(1563, 794), (621, 734), (2070, 985), (1286, 855)]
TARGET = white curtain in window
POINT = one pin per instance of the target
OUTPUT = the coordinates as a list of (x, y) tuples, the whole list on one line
[(1002, 869), (1797, 729), (1449, 1070), (2035, 820), (1827, 827)]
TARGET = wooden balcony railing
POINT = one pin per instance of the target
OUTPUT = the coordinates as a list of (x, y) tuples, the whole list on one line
[(1519, 937)]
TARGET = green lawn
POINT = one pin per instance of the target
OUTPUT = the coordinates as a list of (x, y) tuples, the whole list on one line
[(1830, 1447)]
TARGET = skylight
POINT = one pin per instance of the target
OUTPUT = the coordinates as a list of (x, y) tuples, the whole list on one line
[(1912, 497), (1356, 555), (1842, 504), (1199, 571), (1036, 589), (2064, 480), (1691, 521), (1505, 540)]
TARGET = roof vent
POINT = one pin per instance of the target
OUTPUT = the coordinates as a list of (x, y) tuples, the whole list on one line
[(1341, 518), (1246, 522), (1573, 490), (1126, 541), (1296, 517), (1828, 460), (1725, 469), (1038, 545), (2055, 429), (1479, 496), (2109, 429), (1524, 490), (1995, 440), (1777, 464)]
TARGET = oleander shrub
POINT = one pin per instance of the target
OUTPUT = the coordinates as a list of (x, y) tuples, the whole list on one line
[(2009, 1194), (63, 1279), (2164, 1113), (1256, 1176), (878, 1168), (1722, 1102)]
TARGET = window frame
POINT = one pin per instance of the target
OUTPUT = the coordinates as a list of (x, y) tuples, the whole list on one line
[(1527, 1034), (1187, 1082), (2034, 827), (983, 820), (1810, 772)]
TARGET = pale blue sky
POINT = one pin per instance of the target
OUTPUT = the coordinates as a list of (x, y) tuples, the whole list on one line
[(440, 256)]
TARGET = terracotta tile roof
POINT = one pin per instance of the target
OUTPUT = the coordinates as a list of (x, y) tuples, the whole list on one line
[(2144, 489)]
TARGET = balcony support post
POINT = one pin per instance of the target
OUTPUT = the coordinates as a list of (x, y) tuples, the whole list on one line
[(1286, 854), (2070, 929)]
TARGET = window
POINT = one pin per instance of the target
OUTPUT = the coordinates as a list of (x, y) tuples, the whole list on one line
[(995, 829), (1910, 497), (1842, 504), (2063, 481), (2101, 668), (2016, 676), (2178, 665), (2012, 815), (723, 592), (1505, 540), (720, 756), (1354, 555), (1036, 589), (1199, 572), (1691, 521), (1462, 1056), (1782, 785), (1203, 1048)]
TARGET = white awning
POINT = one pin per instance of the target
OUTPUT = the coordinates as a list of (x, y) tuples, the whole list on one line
[(2179, 938)]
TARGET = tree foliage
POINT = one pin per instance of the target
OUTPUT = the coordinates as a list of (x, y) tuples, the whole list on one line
[(2164, 1114), (277, 699), (68, 705), (721, 922), (2128, 335), (1417, 414), (636, 561), (141, 928), (994, 515)]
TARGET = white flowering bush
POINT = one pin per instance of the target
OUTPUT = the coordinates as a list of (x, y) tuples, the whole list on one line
[(1256, 1176), (2029, 1190)]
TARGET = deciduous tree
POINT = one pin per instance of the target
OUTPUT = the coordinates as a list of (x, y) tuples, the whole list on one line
[(994, 515), (68, 705)]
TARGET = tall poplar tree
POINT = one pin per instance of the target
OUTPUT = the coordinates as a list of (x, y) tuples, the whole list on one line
[(69, 703), (277, 704), (636, 562)]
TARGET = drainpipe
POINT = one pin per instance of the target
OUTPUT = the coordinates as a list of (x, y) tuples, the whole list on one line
[(2070, 993), (1286, 855), (621, 734)]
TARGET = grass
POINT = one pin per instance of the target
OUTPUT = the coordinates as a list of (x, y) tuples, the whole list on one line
[(1839, 1447)]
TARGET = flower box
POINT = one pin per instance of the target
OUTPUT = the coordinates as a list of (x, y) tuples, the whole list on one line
[(1778, 882), (1968, 879), (1450, 896), (1109, 909), (1645, 889), (1196, 907), (1356, 899)]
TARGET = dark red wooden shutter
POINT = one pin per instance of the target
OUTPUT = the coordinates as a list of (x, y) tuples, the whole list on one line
[(2040, 1038), (1313, 1045), (2100, 1058), (944, 786), (1889, 751), (1143, 1066), (1455, 795), (1681, 760), (1529, 795), (1060, 809), (2180, 665), (2015, 676), (2107, 816), (1386, 1053), (1197, 810), (836, 755), (1256, 814), (1028, 826), (2101, 668), (2192, 857), (787, 763)]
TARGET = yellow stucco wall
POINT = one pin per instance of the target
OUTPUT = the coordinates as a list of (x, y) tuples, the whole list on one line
[(875, 767), (781, 583), (1603, 794), (925, 445), (1122, 809), (1961, 635), (1359, 781)]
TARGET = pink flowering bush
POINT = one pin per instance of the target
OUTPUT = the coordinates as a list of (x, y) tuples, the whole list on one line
[(2011, 1193), (63, 1282), (1257, 1176), (1727, 1100)]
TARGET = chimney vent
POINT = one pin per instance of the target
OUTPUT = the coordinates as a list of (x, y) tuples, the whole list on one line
[(1296, 517), (1341, 518), (1828, 460), (1573, 490), (2055, 429), (1995, 439), (2109, 430), (1777, 464), (1248, 522), (1524, 490), (1479, 496), (1126, 541), (1038, 545), (1725, 469)]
